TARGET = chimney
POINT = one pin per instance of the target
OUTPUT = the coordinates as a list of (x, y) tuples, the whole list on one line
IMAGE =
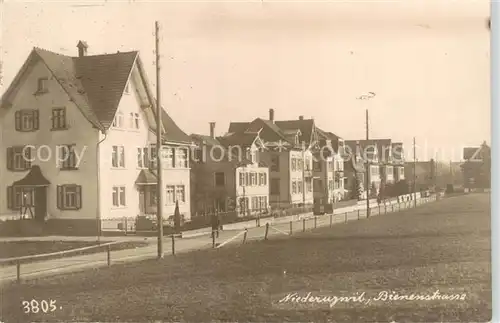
[(82, 48), (212, 130), (271, 115), (301, 117)]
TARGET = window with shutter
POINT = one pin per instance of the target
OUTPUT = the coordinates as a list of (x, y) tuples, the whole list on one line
[(59, 196), (78, 197), (36, 120), (27, 160), (18, 120), (10, 158), (67, 152), (59, 119), (10, 195), (69, 197), (26, 120)]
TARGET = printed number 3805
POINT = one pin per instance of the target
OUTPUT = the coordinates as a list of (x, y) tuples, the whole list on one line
[(35, 306)]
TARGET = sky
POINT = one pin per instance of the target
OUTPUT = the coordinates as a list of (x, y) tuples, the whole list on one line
[(427, 61)]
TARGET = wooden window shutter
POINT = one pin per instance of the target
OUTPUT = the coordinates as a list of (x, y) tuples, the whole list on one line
[(36, 119), (17, 117), (60, 197), (10, 198), (78, 196), (27, 158), (10, 158)]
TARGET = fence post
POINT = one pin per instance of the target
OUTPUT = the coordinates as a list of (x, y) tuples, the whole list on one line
[(346, 217), (267, 230), (385, 209), (173, 245), (126, 225), (315, 221), (213, 238), (378, 210), (18, 269), (392, 207), (108, 247), (358, 214), (331, 220), (245, 236), (303, 225), (291, 227)]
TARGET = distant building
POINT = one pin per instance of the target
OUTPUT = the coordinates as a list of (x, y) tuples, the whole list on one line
[(477, 167), (425, 173), (227, 175), (288, 154)]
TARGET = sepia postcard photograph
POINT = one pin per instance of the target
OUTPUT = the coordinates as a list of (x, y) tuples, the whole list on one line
[(246, 161)]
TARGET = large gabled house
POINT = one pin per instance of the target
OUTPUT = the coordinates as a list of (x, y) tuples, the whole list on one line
[(289, 157), (78, 140), (227, 174)]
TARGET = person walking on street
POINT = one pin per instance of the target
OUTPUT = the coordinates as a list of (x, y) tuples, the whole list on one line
[(215, 224)]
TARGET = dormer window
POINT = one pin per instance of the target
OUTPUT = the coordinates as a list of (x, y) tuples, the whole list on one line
[(42, 85)]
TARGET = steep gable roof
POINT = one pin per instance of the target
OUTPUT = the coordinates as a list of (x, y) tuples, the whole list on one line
[(95, 83), (268, 130), (245, 139), (207, 140), (326, 135), (171, 131), (306, 127), (476, 153), (104, 78), (238, 127)]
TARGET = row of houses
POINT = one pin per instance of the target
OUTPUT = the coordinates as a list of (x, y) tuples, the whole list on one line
[(78, 138)]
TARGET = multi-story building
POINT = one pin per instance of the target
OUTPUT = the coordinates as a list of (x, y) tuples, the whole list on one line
[(387, 162), (329, 168), (363, 151), (227, 175), (78, 135), (288, 155)]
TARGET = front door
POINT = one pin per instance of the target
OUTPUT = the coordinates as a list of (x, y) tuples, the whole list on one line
[(142, 201), (40, 203)]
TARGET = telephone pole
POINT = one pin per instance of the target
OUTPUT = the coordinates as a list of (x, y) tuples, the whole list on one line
[(368, 96), (414, 172), (367, 177), (159, 126)]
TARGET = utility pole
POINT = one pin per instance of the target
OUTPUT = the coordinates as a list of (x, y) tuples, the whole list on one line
[(303, 176), (159, 126), (368, 96), (414, 172), (451, 173), (367, 170)]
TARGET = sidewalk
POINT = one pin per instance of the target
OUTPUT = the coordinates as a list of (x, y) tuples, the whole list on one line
[(96, 260), (74, 238)]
